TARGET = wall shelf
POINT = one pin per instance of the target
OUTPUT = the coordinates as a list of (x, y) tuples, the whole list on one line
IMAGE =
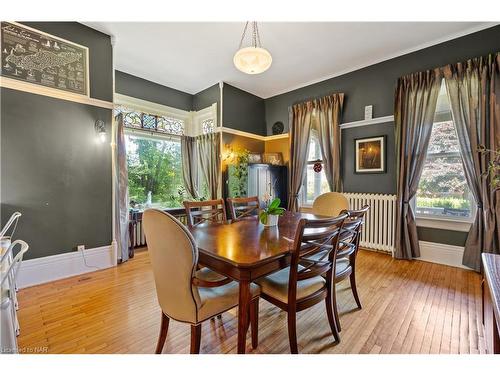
[(376, 120)]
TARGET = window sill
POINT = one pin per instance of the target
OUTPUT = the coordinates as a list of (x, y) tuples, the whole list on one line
[(443, 223), (307, 208)]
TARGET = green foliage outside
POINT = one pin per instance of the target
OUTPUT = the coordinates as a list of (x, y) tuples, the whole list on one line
[(448, 202), (155, 166), (443, 184), (493, 166)]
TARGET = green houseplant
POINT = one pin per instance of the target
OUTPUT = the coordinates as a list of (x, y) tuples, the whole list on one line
[(493, 167), (238, 174), (269, 215)]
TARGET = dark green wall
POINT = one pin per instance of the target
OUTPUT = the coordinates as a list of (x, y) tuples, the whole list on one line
[(374, 85), (140, 88), (52, 169), (206, 98), (382, 183), (243, 111), (100, 53)]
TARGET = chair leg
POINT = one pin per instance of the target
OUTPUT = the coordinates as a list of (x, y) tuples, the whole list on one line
[(163, 333), (334, 306), (195, 339), (331, 317), (292, 332), (352, 279), (254, 322)]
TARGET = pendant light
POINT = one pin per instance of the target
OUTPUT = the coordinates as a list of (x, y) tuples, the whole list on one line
[(253, 59)]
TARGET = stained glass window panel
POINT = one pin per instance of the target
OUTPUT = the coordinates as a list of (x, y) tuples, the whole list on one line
[(148, 121), (170, 125), (208, 126), (132, 120)]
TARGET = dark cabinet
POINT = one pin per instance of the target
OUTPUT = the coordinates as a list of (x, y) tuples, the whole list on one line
[(261, 179)]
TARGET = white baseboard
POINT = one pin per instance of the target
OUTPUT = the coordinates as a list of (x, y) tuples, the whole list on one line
[(441, 253), (42, 270)]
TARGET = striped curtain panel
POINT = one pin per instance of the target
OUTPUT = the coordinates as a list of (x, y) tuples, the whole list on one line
[(414, 109), (474, 91), (209, 148)]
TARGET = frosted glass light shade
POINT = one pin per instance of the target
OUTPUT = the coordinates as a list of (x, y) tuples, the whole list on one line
[(252, 60)]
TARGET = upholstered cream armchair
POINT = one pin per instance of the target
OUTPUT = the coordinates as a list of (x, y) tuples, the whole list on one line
[(330, 204), (184, 293)]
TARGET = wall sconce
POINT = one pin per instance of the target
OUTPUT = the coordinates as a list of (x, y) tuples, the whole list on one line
[(100, 130)]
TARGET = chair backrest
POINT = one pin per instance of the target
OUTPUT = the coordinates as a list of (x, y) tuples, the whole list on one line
[(197, 213), (174, 257), (243, 207), (9, 266), (313, 237), (351, 231), (330, 204)]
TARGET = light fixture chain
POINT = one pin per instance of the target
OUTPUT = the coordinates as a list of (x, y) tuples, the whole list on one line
[(254, 34), (243, 36), (258, 36)]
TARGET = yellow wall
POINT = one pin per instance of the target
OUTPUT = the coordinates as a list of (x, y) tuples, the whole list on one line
[(279, 145)]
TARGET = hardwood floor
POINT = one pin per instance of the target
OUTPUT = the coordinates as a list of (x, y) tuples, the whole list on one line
[(408, 307)]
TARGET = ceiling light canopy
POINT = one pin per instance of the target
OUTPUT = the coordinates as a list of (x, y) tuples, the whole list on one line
[(253, 59)]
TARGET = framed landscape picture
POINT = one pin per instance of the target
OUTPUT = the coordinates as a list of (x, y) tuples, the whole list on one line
[(370, 155)]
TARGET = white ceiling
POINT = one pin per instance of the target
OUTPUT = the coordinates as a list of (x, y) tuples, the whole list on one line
[(191, 56)]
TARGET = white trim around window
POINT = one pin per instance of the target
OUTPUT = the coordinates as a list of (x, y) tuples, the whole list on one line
[(444, 223), (152, 108)]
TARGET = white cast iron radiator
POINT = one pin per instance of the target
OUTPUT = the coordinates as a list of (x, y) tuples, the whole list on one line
[(378, 230)]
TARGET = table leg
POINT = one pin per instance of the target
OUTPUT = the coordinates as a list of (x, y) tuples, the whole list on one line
[(244, 303)]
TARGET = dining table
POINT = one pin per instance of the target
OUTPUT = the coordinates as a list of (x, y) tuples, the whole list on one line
[(245, 250)]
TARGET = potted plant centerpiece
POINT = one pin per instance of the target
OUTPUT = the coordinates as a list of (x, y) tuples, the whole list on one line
[(270, 213)]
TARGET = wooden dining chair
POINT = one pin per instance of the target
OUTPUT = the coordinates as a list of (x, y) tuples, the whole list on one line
[(330, 204), (185, 293), (243, 207), (213, 211), (302, 285), (347, 253)]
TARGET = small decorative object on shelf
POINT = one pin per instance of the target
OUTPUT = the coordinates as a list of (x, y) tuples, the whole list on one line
[(278, 128), (274, 158), (254, 158), (269, 215), (317, 167)]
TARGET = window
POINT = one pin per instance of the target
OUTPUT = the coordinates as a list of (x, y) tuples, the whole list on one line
[(153, 159), (315, 183), (154, 171), (442, 190)]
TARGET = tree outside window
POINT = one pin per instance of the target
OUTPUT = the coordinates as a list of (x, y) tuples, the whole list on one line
[(442, 190), (155, 171)]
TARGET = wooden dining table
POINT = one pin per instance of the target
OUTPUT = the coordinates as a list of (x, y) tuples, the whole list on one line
[(246, 250)]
